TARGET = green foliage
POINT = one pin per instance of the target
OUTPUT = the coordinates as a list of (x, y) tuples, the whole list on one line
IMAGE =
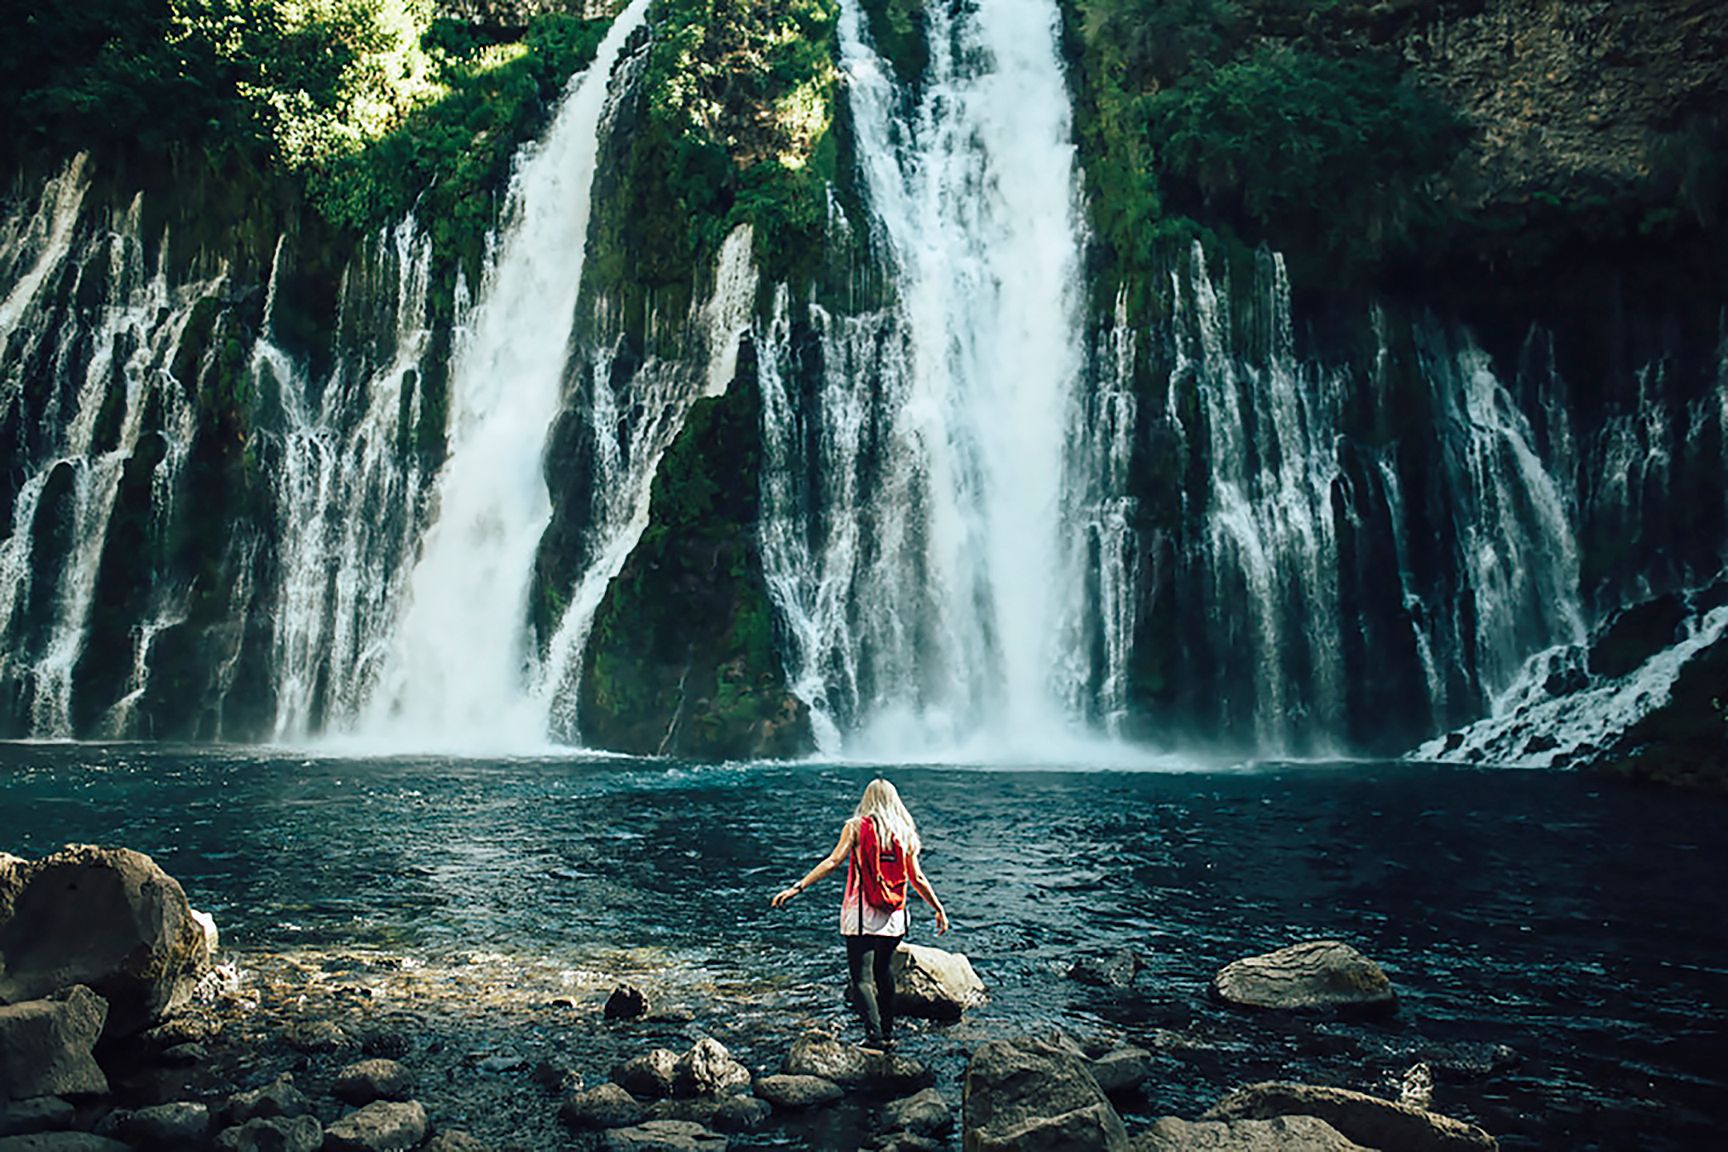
[(1322, 156), (897, 30), (734, 127)]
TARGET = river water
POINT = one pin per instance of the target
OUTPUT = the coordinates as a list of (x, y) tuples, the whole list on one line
[(1577, 923)]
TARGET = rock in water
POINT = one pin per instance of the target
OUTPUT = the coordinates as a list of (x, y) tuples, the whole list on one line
[(1121, 1071), (273, 1134), (651, 1074), (1316, 974), (1106, 969), (1036, 1096), (626, 1003), (1280, 1134), (708, 1069), (370, 1080), (278, 1098), (923, 1114), (107, 918), (665, 1136), (936, 984), (45, 1046), (607, 1106), (381, 1127), (888, 1072), (1365, 1119), (62, 1142), (793, 1093), (169, 1127)]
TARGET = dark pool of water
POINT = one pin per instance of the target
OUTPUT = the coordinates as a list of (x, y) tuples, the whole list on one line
[(1578, 923)]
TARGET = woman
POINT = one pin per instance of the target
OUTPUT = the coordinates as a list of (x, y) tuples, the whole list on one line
[(880, 843)]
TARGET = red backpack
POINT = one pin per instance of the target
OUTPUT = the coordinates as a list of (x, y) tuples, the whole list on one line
[(882, 868)]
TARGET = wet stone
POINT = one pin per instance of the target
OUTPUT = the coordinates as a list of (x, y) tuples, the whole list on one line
[(370, 1080), (167, 1126), (273, 1134), (788, 1093), (607, 1106), (627, 1002), (384, 1126), (739, 1114), (923, 1114), (665, 1136), (278, 1098), (708, 1069), (651, 1074), (38, 1114)]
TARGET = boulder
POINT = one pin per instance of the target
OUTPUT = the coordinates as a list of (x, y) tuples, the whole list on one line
[(923, 1114), (626, 1003), (108, 918), (317, 1037), (1121, 1071), (708, 1069), (1106, 970), (1280, 1134), (273, 1134), (1031, 1095), (454, 1141), (607, 1106), (1318, 974), (935, 984), (45, 1046), (665, 1136), (383, 1126), (739, 1113), (795, 1093), (12, 869), (62, 1142), (277, 1098), (1365, 1119), (38, 1114), (370, 1080), (168, 1127), (652, 1074), (816, 1055)]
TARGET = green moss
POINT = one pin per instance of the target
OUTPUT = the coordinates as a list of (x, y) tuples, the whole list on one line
[(897, 30), (681, 658)]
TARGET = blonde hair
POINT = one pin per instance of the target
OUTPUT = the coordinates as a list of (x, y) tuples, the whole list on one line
[(881, 802)]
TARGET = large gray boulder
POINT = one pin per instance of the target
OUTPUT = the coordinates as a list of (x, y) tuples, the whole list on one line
[(708, 1069), (110, 919), (1318, 974), (932, 983), (383, 1126), (1280, 1134), (45, 1046), (1033, 1095), (1365, 1119)]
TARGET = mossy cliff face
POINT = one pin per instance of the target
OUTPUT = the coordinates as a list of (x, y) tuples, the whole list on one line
[(682, 659)]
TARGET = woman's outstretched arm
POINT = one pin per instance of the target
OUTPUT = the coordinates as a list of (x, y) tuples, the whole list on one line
[(847, 835), (927, 893)]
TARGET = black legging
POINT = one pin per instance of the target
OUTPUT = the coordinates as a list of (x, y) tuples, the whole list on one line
[(872, 989)]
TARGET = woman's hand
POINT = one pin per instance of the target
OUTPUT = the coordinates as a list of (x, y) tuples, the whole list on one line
[(784, 895), (941, 921)]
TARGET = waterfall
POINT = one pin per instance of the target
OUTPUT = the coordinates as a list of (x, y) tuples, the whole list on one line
[(347, 493), (459, 660), (632, 423), (961, 588), (1269, 549), (81, 395)]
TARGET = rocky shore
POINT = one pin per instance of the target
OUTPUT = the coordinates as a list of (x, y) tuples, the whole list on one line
[(122, 1026)]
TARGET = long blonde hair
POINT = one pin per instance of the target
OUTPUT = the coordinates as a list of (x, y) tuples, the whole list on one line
[(881, 802)]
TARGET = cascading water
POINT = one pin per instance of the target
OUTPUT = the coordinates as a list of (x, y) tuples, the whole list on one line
[(348, 497), (459, 661), (102, 384), (960, 589)]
